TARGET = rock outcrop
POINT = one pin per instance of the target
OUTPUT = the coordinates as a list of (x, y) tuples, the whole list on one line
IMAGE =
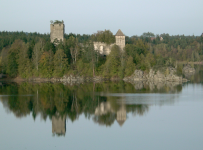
[(157, 76), (188, 69)]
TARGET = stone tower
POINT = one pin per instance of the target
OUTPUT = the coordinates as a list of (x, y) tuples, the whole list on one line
[(57, 31), (120, 39)]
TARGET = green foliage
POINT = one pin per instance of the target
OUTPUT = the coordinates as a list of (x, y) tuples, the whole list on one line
[(50, 46), (84, 68), (170, 62), (32, 54), (13, 57), (30, 49), (113, 63), (12, 66), (104, 36), (46, 64), (129, 67), (89, 55), (64, 101), (60, 63), (150, 59), (37, 52), (24, 64), (179, 71), (136, 50), (144, 64), (4, 59), (56, 22)]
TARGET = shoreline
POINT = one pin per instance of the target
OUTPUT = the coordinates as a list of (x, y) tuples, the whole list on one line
[(162, 75)]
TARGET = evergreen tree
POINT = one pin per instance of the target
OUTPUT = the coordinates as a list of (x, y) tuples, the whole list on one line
[(46, 64), (24, 65), (130, 66), (37, 52), (60, 63), (113, 62)]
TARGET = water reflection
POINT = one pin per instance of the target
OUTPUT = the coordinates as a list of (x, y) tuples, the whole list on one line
[(58, 125), (105, 114), (196, 77), (104, 103)]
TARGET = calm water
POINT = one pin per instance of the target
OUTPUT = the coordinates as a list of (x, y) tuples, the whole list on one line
[(102, 116)]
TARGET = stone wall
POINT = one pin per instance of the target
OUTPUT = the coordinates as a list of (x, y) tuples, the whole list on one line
[(103, 48), (57, 32)]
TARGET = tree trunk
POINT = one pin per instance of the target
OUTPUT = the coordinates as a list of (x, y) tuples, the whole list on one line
[(93, 67)]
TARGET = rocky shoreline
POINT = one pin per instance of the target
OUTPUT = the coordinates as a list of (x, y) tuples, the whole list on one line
[(156, 76), (153, 76)]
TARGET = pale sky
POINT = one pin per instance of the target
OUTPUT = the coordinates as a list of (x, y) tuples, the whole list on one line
[(133, 17)]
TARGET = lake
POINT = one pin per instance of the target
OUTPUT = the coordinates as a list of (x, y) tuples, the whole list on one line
[(108, 115)]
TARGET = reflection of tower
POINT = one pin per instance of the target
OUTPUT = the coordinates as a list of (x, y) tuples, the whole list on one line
[(121, 115), (58, 125)]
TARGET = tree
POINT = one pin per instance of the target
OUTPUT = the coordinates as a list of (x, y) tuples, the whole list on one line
[(130, 66), (37, 52), (148, 34), (104, 36), (72, 48), (24, 65), (4, 59), (30, 49), (12, 69), (90, 55), (113, 62), (75, 50), (14, 60), (136, 50), (46, 64), (60, 63)]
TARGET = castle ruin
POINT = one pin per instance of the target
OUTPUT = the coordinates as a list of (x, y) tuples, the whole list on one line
[(57, 31), (105, 49)]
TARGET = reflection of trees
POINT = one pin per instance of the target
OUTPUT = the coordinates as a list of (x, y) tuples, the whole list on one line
[(50, 100), (139, 109), (20, 105), (197, 76), (105, 119), (107, 112)]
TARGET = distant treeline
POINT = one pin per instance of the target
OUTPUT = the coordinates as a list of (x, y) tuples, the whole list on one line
[(33, 55)]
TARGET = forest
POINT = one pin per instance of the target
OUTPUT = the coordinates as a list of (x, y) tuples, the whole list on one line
[(28, 55)]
